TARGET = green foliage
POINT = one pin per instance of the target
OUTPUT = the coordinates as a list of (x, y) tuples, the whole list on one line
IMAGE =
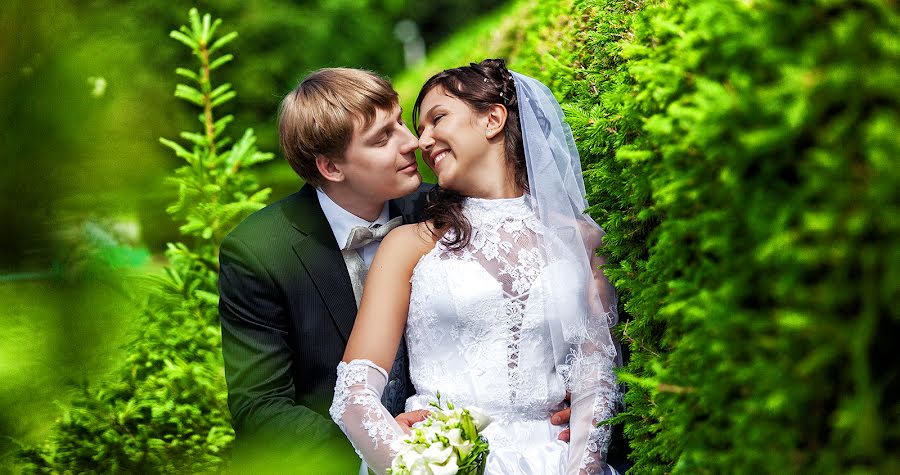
[(283, 41), (165, 409), (762, 302), (90, 80), (740, 157), (35, 79)]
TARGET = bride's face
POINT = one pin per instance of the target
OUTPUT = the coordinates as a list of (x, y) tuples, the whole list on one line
[(452, 139)]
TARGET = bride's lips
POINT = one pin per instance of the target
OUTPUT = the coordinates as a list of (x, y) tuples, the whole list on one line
[(438, 155)]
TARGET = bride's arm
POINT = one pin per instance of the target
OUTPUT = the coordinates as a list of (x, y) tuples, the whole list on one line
[(593, 383), (370, 352), (594, 399)]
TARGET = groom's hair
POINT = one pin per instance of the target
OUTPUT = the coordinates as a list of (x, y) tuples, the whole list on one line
[(318, 117)]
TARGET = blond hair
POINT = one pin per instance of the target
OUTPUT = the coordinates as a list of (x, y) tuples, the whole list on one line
[(318, 117)]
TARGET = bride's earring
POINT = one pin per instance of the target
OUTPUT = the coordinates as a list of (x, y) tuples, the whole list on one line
[(488, 131)]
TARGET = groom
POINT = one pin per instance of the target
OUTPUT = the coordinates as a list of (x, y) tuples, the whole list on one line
[(291, 274), (287, 299)]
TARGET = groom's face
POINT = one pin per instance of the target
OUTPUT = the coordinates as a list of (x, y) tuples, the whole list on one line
[(380, 162)]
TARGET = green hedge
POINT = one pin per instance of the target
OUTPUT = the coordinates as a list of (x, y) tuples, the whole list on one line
[(741, 157)]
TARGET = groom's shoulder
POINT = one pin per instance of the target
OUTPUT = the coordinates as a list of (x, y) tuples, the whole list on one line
[(411, 205), (422, 192), (271, 223)]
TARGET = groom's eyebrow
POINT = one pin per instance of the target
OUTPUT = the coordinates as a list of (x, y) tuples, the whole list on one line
[(383, 129)]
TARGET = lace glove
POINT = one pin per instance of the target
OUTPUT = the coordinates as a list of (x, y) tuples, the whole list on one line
[(358, 411), (594, 396)]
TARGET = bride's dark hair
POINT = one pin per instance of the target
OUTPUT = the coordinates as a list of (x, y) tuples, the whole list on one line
[(480, 86)]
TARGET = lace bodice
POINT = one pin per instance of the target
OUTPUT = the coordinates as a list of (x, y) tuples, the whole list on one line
[(477, 332), (474, 318)]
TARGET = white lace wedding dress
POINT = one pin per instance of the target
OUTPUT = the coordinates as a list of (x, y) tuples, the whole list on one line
[(478, 332)]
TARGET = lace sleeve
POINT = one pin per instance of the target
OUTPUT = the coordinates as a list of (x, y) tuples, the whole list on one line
[(358, 411), (594, 398)]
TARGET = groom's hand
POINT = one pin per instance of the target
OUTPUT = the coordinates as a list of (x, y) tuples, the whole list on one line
[(562, 418), (407, 419)]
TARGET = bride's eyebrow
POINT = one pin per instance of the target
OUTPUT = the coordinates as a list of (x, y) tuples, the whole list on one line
[(426, 115)]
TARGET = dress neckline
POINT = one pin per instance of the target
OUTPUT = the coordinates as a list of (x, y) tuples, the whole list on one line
[(520, 204), (490, 213)]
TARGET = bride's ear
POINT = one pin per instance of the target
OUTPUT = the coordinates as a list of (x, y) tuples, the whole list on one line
[(496, 121)]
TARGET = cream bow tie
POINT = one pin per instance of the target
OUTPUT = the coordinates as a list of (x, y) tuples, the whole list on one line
[(361, 235)]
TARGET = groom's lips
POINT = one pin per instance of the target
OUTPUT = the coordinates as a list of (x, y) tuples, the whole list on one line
[(412, 166)]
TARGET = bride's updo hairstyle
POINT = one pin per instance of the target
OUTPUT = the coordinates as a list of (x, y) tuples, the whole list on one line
[(480, 86)]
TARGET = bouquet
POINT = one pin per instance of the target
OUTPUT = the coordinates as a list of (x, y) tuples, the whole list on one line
[(448, 442)]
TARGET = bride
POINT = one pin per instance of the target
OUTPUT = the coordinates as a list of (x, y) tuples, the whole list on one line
[(499, 292)]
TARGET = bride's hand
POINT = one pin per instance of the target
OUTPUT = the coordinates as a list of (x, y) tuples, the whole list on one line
[(562, 418), (407, 419)]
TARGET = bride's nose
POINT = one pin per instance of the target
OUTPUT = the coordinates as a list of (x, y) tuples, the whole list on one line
[(426, 141)]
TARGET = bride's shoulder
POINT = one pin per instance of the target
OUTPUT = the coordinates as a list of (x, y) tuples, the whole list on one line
[(409, 242), (420, 234)]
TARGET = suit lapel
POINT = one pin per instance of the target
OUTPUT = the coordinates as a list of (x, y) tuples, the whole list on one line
[(320, 255)]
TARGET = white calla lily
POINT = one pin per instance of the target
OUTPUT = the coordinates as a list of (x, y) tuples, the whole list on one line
[(481, 418), (449, 467)]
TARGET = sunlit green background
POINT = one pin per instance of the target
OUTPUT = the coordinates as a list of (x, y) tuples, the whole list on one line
[(87, 91)]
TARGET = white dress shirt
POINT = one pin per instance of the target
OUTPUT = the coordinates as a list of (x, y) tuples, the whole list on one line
[(343, 221)]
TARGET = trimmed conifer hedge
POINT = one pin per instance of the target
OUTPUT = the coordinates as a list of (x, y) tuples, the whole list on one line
[(742, 158)]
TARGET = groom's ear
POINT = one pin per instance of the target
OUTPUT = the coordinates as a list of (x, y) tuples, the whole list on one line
[(496, 120), (328, 169)]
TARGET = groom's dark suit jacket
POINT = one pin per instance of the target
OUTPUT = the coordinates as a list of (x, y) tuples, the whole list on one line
[(287, 309)]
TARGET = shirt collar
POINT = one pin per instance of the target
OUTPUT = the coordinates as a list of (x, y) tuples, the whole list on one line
[(343, 221)]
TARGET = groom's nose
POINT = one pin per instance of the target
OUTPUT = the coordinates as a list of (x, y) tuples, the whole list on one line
[(410, 142)]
